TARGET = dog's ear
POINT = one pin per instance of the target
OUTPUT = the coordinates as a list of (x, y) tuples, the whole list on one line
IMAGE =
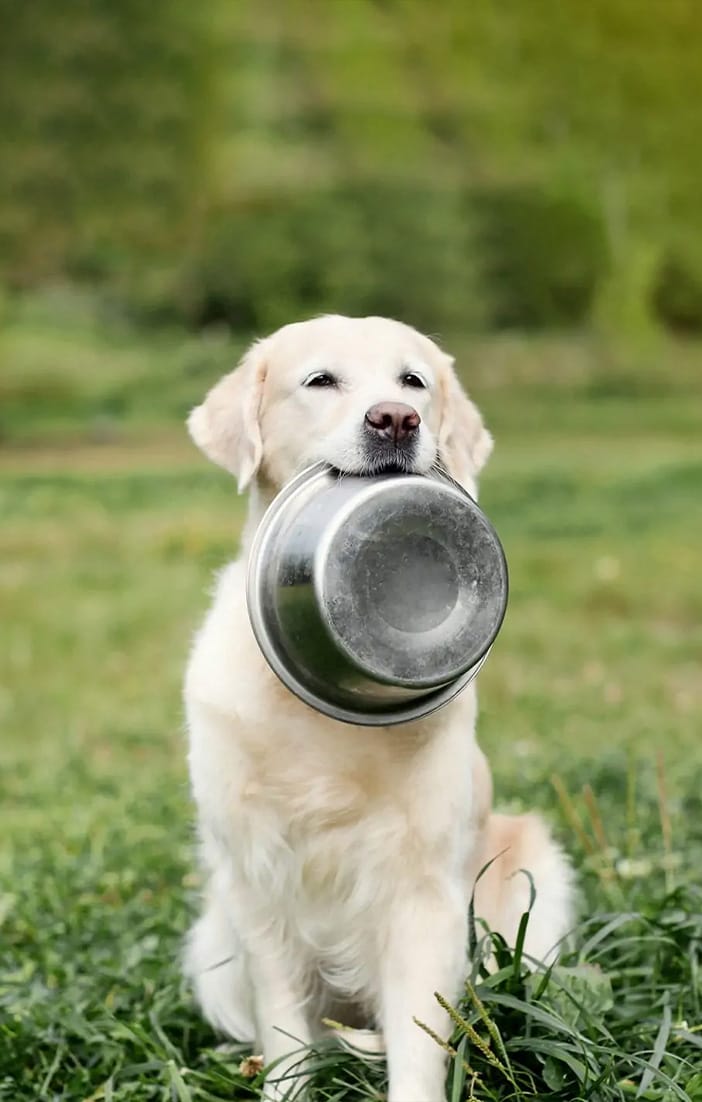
[(226, 425), (464, 442)]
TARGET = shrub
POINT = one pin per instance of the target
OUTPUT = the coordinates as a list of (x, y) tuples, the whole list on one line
[(357, 250), (676, 294), (542, 257)]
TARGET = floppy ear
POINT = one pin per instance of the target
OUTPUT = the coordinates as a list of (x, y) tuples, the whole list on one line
[(226, 425), (464, 442)]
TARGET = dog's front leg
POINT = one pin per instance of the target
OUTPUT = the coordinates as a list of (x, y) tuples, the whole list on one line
[(424, 952), (283, 1030)]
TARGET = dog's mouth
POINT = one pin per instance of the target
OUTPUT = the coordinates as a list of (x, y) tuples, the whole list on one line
[(371, 457), (387, 456), (396, 461)]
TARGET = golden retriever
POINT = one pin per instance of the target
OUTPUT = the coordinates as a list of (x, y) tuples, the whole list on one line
[(340, 860)]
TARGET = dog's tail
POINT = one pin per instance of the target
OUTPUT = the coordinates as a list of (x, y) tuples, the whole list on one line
[(503, 893)]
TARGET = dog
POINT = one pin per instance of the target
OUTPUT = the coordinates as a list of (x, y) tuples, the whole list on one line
[(340, 861)]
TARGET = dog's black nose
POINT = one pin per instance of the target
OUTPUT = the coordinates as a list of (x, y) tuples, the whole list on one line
[(393, 420)]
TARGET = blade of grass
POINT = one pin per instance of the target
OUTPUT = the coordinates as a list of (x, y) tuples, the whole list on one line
[(458, 1075), (665, 821), (179, 1088), (571, 814), (658, 1047), (603, 933)]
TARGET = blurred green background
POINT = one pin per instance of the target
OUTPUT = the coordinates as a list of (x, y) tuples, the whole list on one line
[(249, 163), (176, 177), (521, 180)]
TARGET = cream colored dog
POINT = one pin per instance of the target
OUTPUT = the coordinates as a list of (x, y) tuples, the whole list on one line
[(340, 860)]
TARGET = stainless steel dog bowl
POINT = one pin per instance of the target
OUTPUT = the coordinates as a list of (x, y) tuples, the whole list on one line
[(375, 600)]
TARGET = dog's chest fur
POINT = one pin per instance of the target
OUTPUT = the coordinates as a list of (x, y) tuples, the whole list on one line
[(318, 819)]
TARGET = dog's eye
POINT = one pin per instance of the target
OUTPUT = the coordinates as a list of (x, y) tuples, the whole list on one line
[(413, 379), (321, 378)]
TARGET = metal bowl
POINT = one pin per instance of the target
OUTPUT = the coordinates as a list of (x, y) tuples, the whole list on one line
[(375, 600)]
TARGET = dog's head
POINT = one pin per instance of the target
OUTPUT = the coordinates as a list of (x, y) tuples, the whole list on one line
[(365, 395)]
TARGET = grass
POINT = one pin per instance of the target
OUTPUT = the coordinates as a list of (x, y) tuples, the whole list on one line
[(590, 711)]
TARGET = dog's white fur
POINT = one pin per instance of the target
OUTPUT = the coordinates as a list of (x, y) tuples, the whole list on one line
[(340, 860)]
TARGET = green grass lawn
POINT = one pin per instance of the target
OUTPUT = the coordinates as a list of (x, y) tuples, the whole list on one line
[(107, 557)]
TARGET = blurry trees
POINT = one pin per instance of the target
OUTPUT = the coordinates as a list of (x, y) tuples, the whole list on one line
[(458, 165), (104, 136)]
